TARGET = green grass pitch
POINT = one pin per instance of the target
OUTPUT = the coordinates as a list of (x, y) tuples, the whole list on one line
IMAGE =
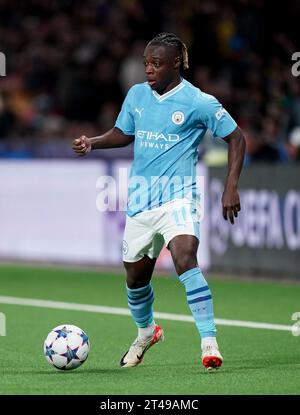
[(256, 361)]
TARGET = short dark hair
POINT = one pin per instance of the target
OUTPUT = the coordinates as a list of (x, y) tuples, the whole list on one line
[(170, 39)]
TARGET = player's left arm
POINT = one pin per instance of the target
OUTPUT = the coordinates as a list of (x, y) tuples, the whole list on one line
[(219, 121), (236, 152)]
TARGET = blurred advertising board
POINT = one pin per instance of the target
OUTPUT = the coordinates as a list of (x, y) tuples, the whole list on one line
[(266, 235), (48, 212)]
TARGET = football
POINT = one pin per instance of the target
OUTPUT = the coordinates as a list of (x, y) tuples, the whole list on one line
[(66, 347)]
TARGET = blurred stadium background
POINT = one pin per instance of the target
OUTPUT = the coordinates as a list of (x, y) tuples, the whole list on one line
[(68, 67)]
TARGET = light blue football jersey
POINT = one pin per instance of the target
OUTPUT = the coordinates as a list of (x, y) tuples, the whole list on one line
[(168, 129)]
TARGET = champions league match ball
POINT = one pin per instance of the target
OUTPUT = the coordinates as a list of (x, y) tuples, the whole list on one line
[(66, 347)]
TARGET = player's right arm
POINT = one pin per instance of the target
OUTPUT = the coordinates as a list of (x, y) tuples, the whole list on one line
[(111, 139)]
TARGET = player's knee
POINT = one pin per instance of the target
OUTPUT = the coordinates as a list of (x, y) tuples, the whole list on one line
[(133, 283), (134, 280), (185, 262)]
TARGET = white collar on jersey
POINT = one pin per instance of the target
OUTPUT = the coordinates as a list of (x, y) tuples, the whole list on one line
[(172, 91)]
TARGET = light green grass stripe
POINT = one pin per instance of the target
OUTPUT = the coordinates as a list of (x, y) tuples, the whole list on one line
[(125, 312)]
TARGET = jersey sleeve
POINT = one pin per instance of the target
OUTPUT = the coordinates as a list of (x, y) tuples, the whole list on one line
[(215, 117), (125, 120)]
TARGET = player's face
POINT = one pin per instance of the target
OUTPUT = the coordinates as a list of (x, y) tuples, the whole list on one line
[(161, 67)]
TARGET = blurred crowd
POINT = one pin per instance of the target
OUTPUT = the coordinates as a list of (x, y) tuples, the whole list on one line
[(70, 64)]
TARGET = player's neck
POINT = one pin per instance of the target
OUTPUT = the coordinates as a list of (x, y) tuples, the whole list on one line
[(176, 81)]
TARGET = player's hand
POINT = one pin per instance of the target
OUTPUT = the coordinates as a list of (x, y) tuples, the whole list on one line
[(82, 145), (230, 204)]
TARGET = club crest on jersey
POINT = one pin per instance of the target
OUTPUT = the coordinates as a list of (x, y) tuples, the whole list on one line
[(178, 117)]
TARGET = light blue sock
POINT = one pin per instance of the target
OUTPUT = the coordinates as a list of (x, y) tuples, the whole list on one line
[(200, 301), (140, 302)]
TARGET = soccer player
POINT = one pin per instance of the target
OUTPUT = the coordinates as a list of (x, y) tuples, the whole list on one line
[(166, 118)]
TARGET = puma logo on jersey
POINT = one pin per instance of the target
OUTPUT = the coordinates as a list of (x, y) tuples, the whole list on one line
[(139, 111)]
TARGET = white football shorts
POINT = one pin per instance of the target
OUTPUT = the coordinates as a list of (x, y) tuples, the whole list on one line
[(147, 232)]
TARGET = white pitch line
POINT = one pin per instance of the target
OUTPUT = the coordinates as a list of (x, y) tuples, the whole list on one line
[(32, 302)]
